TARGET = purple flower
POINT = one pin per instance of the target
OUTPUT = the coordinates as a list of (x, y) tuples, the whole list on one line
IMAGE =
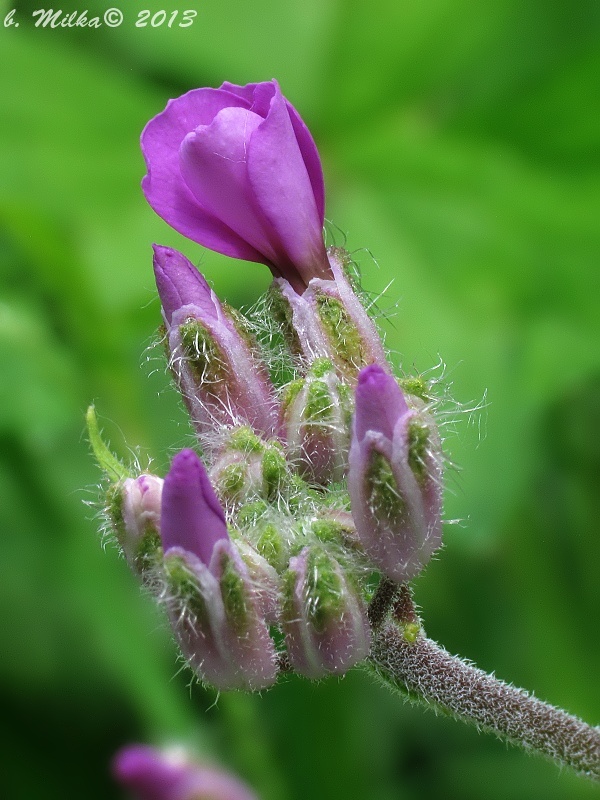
[(236, 170), (221, 379), (152, 774), (216, 609), (325, 624), (394, 477)]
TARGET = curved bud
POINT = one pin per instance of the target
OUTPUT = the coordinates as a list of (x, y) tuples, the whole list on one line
[(214, 606), (325, 624), (316, 413), (212, 353), (191, 515), (134, 509), (216, 614), (152, 774), (394, 477), (328, 320)]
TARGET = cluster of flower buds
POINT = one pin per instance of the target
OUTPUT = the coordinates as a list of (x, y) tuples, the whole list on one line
[(263, 551), (147, 773)]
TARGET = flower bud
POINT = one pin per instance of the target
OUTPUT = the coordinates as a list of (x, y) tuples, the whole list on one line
[(191, 515), (316, 414), (264, 579), (215, 608), (273, 546), (152, 774), (394, 477), (247, 468), (211, 353), (328, 320), (134, 510), (325, 624)]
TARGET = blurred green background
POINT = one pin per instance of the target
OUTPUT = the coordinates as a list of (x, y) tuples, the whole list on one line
[(460, 144)]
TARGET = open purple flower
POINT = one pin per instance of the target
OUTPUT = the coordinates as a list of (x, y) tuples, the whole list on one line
[(152, 774), (236, 170)]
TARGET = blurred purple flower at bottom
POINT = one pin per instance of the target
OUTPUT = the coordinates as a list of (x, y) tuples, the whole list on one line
[(152, 774)]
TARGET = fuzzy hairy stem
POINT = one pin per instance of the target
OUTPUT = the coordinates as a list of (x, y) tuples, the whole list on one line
[(381, 602), (427, 673)]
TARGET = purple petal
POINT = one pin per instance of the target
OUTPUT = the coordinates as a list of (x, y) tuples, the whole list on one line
[(312, 160), (379, 402), (243, 92), (152, 774), (191, 517), (259, 96), (164, 186), (179, 283), (213, 163), (283, 191), (211, 784), (148, 773)]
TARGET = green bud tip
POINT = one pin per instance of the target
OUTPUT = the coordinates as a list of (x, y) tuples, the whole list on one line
[(324, 588), (183, 587), (410, 631), (418, 439), (341, 331), (233, 592), (202, 353), (384, 498), (271, 547)]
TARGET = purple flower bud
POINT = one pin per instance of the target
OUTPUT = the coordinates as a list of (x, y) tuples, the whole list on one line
[(216, 609), (134, 509), (217, 372), (316, 413), (152, 774), (328, 321), (191, 517), (236, 170), (325, 624), (394, 477)]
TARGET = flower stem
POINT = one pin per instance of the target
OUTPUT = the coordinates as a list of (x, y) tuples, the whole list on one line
[(421, 669), (382, 601)]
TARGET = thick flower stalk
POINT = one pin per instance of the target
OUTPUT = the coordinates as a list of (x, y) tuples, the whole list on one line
[(316, 476), (147, 773)]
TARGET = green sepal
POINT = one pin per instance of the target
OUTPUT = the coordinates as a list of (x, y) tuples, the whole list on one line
[(108, 462), (234, 594)]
